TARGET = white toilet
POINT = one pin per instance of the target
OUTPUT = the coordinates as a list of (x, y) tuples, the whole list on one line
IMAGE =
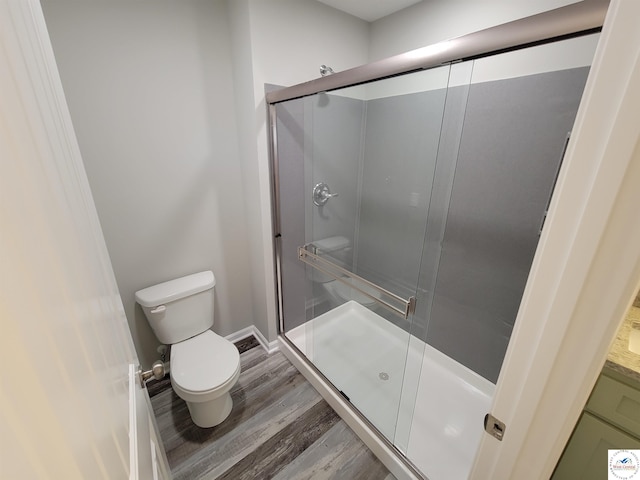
[(204, 366)]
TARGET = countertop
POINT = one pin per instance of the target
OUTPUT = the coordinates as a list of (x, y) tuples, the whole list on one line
[(620, 358)]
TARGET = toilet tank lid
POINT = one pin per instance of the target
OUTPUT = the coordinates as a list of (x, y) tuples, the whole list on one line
[(175, 289)]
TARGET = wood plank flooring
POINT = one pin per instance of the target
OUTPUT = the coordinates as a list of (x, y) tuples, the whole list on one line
[(280, 428)]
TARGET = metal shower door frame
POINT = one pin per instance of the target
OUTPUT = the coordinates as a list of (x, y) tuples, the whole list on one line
[(575, 20)]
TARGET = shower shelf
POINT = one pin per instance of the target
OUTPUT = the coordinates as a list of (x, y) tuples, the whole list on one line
[(404, 307)]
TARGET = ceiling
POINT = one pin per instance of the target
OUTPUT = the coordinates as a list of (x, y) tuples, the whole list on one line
[(369, 10)]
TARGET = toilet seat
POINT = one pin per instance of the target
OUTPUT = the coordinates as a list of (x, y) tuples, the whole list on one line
[(204, 367)]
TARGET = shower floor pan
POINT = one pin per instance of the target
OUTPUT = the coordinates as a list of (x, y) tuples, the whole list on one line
[(367, 358)]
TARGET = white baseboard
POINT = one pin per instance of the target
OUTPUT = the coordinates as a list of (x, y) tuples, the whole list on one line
[(240, 334), (269, 347)]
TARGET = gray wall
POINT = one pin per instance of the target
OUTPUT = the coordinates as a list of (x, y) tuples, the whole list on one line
[(150, 90), (332, 155), (400, 150), (513, 138)]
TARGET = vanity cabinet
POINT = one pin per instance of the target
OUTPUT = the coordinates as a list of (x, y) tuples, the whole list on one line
[(610, 420)]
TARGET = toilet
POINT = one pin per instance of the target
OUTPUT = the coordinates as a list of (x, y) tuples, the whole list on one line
[(204, 366)]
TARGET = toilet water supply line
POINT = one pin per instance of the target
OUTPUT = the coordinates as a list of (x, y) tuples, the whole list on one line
[(157, 371), (159, 368)]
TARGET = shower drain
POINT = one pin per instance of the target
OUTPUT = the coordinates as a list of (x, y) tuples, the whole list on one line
[(383, 376)]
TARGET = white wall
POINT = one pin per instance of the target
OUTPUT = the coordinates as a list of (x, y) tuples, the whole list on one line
[(256, 254), (150, 89), (431, 21), (288, 41), (167, 99), (292, 38)]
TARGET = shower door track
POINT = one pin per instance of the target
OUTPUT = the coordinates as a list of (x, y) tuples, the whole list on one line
[(390, 455), (577, 19)]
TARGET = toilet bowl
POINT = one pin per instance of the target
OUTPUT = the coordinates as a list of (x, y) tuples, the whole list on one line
[(204, 366)]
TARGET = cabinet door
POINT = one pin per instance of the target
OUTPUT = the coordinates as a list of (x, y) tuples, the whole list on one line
[(586, 456), (618, 403)]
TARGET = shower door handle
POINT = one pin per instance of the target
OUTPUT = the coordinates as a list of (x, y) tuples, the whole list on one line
[(322, 193)]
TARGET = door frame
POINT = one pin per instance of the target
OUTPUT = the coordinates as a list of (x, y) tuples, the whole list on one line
[(586, 271)]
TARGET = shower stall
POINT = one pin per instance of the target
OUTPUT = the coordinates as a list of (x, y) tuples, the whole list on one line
[(409, 202)]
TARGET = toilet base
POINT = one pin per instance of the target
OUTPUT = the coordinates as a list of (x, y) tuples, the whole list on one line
[(211, 413)]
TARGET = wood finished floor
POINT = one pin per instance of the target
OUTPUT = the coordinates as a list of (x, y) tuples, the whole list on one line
[(280, 428)]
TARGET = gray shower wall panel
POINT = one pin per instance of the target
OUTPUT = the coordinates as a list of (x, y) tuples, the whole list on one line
[(333, 150), (400, 151), (513, 138), (448, 148)]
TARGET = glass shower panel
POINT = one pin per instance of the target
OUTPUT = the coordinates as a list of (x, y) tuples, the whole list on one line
[(448, 146), (295, 285), (333, 124), (520, 108), (380, 159)]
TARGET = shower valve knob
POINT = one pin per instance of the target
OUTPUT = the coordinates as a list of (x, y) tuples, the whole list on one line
[(322, 193)]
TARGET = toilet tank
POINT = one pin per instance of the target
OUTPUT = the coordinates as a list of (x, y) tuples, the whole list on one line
[(180, 308)]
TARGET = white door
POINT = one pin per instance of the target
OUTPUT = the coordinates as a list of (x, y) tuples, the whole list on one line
[(70, 403)]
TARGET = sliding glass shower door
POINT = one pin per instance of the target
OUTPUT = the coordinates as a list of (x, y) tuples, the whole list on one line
[(397, 137), (410, 212), (364, 160)]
